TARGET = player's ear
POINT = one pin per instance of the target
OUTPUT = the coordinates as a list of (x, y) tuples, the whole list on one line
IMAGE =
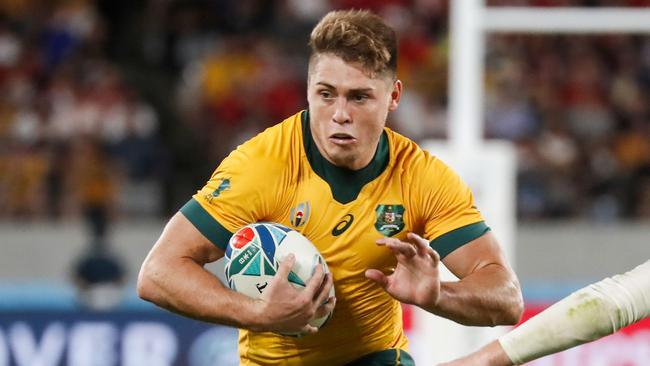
[(395, 95)]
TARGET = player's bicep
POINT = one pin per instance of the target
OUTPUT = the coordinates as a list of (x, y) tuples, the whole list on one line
[(476, 254), (206, 222), (181, 239), (179, 245)]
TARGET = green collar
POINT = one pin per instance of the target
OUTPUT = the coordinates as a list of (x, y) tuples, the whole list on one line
[(344, 183)]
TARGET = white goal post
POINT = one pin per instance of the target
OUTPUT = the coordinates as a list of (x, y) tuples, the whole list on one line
[(471, 20)]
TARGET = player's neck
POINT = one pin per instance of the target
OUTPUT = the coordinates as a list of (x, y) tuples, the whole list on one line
[(345, 183)]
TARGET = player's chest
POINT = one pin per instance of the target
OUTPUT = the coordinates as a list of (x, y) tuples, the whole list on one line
[(346, 234)]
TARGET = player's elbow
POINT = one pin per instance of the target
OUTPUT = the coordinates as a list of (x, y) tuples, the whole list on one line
[(146, 285), (514, 312), (513, 308)]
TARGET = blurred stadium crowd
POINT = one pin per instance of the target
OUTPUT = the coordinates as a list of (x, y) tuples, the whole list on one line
[(72, 130), (124, 108)]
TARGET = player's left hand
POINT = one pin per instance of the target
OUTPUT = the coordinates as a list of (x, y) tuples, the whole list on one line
[(415, 279)]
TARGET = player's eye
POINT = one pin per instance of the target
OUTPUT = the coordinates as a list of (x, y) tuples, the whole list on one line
[(325, 94), (360, 98)]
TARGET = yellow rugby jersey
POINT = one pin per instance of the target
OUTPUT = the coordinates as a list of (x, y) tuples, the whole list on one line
[(280, 176)]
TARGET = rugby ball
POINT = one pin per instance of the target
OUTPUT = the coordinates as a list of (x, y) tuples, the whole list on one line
[(254, 253)]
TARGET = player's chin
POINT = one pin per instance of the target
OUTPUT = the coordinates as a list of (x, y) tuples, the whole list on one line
[(344, 157)]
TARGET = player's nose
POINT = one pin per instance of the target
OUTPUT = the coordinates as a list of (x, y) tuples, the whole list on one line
[(341, 113)]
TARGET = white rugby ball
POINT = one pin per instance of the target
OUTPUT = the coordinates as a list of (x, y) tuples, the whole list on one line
[(255, 252)]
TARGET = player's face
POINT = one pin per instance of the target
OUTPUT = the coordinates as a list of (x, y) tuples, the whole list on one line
[(348, 109)]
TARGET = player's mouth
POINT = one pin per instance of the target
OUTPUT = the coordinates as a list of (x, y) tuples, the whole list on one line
[(342, 139)]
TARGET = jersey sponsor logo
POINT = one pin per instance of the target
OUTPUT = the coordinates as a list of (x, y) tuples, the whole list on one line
[(343, 225), (390, 219), (300, 214), (224, 185)]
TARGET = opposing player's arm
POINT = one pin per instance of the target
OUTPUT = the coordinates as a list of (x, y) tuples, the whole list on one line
[(586, 315), (491, 354), (488, 292)]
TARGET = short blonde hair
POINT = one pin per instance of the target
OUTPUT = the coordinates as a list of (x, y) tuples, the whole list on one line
[(357, 36)]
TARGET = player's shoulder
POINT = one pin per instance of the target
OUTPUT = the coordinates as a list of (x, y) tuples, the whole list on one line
[(407, 154), (417, 166), (275, 145)]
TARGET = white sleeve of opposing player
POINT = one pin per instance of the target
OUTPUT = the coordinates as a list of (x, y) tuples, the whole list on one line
[(586, 315)]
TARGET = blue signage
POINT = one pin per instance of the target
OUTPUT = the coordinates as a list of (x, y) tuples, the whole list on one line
[(117, 338)]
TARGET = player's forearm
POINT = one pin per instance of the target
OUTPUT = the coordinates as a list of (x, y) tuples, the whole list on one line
[(192, 291), (587, 314), (491, 354), (490, 296)]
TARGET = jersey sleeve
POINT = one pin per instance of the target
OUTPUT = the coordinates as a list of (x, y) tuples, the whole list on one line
[(451, 218), (244, 189)]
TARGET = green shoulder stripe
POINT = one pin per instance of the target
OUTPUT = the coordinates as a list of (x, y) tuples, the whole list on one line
[(206, 224), (455, 239)]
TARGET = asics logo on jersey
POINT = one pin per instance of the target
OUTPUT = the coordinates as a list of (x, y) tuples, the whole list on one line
[(343, 225)]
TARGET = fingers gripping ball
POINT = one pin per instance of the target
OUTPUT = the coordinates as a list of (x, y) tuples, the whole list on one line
[(255, 252)]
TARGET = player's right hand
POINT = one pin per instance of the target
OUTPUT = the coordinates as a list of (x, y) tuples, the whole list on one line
[(283, 308), (415, 279)]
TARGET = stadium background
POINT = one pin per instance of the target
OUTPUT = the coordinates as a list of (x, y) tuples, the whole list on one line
[(113, 112)]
